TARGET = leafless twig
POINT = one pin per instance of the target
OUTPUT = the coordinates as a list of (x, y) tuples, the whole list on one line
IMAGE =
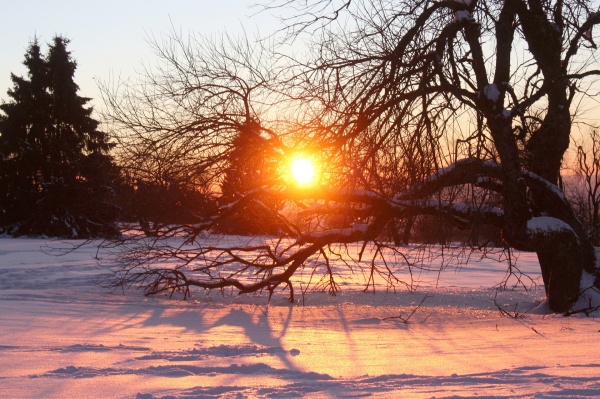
[(405, 318)]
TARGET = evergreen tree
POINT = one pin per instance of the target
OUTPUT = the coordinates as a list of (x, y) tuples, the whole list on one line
[(55, 169), (248, 167)]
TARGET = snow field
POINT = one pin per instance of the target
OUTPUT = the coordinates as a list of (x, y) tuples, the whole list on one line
[(61, 337)]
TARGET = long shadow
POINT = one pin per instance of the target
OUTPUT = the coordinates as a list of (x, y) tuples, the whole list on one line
[(259, 332), (349, 340)]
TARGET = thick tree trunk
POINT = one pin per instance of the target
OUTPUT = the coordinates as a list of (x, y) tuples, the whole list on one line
[(562, 257), (561, 262), (562, 253)]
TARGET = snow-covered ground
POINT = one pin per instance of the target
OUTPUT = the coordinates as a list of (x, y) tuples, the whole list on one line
[(61, 337)]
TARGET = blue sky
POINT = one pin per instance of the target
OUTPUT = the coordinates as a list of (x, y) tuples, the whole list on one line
[(110, 36)]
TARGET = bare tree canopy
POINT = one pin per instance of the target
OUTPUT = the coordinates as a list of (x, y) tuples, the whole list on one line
[(461, 109)]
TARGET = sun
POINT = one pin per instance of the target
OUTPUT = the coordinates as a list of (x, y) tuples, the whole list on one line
[(303, 171)]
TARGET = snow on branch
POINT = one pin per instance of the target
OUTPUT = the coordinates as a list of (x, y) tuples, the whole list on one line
[(464, 212), (248, 268), (533, 179), (414, 201), (491, 92), (464, 171), (545, 225), (473, 171), (462, 16)]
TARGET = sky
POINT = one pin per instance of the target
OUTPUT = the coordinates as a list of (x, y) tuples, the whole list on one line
[(109, 37)]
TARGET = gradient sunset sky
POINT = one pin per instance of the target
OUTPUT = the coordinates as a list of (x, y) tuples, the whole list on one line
[(110, 36)]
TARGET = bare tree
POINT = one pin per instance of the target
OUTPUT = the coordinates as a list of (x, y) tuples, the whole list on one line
[(425, 64), (179, 121), (495, 80), (583, 188)]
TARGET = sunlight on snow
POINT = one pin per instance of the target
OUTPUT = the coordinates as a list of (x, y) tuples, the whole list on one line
[(62, 335)]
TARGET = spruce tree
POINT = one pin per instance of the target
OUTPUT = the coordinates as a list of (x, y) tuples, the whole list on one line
[(249, 167), (56, 174)]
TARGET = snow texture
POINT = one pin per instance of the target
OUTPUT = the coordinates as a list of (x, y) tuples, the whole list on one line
[(435, 176), (546, 224), (491, 92), (61, 337), (551, 187), (462, 15)]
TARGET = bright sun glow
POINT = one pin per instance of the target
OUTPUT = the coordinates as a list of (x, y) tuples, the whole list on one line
[(303, 171)]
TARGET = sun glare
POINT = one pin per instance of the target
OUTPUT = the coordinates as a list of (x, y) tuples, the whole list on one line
[(303, 171)]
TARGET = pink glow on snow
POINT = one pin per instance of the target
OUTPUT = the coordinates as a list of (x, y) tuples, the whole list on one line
[(62, 338)]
